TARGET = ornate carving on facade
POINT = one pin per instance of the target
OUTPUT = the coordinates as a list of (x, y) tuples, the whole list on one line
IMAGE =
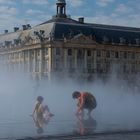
[(81, 39)]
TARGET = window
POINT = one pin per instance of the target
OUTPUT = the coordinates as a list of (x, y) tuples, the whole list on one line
[(57, 51), (108, 54), (124, 68), (137, 41), (89, 65), (133, 56), (125, 55), (8, 43), (98, 67), (116, 55), (69, 52), (79, 54), (122, 40), (17, 41), (37, 66), (32, 54), (98, 53), (105, 39), (38, 53), (89, 53)]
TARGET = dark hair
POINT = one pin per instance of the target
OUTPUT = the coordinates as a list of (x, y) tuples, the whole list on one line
[(75, 94), (40, 98)]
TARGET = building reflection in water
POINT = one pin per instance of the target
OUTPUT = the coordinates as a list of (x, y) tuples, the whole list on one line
[(85, 126)]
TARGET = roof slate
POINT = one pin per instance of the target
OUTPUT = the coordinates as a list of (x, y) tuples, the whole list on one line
[(66, 27)]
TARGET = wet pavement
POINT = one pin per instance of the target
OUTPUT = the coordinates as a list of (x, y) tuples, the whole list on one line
[(116, 117), (126, 135), (87, 129)]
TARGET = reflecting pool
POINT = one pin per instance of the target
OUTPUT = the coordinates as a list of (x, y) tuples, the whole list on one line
[(117, 108)]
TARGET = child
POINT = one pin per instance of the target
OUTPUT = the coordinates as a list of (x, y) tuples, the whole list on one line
[(85, 101), (38, 109), (41, 114), (41, 111)]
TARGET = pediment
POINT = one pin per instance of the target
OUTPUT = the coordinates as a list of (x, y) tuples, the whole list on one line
[(81, 38)]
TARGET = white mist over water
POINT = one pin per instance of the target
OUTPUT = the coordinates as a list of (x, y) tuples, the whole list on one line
[(117, 106)]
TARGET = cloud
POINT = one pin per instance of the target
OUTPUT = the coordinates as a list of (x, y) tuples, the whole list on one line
[(124, 14), (132, 20), (134, 4), (8, 22), (7, 2), (8, 17), (33, 12), (123, 9), (8, 10), (104, 3), (75, 3), (37, 2)]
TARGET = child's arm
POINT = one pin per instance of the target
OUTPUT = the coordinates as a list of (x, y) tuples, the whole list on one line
[(80, 104)]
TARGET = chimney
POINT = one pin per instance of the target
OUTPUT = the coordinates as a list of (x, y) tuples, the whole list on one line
[(81, 19), (28, 26), (16, 29), (24, 27), (5, 31)]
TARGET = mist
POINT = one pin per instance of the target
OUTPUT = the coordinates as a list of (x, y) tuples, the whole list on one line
[(117, 104)]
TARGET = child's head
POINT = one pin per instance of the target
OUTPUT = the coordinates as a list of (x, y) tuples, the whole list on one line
[(75, 94), (40, 99)]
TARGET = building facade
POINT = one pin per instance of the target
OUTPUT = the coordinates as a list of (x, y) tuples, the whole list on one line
[(63, 46)]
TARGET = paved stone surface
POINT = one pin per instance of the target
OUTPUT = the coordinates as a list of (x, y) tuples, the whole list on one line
[(98, 136)]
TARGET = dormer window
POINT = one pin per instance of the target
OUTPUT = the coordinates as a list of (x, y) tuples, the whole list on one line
[(122, 40), (112, 41), (17, 41), (1, 44), (105, 39), (137, 41), (8, 43)]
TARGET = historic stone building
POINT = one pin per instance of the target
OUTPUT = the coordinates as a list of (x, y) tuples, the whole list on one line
[(63, 46)]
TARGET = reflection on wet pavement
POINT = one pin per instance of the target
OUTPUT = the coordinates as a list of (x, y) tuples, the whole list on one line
[(117, 111), (85, 125), (39, 123)]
